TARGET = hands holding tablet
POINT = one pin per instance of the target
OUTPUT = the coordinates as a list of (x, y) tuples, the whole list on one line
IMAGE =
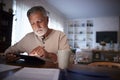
[(38, 52), (10, 57), (42, 53)]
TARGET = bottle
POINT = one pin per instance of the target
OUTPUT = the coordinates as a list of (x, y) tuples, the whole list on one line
[(111, 45)]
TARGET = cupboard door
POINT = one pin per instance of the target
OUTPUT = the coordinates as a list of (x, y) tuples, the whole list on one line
[(5, 30)]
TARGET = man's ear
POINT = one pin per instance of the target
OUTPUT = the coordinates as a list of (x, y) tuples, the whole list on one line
[(47, 19)]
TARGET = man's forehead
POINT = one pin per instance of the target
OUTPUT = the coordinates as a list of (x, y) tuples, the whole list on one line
[(37, 13)]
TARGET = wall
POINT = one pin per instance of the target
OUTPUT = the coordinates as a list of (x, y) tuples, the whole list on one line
[(110, 23), (106, 23)]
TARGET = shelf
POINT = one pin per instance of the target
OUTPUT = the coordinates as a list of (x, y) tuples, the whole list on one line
[(5, 30), (81, 32)]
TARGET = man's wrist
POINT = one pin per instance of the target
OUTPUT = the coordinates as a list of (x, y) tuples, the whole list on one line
[(52, 56)]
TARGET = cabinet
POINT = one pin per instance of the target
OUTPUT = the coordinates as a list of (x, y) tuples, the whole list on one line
[(80, 33), (5, 30), (106, 55)]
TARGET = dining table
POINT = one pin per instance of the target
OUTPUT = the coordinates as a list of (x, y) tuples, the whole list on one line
[(73, 72)]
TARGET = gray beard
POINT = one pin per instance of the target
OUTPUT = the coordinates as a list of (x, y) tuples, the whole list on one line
[(41, 33)]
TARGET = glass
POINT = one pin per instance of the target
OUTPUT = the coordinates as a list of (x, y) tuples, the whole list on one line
[(63, 58)]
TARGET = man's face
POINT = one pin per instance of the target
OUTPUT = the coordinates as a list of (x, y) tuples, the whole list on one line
[(39, 23)]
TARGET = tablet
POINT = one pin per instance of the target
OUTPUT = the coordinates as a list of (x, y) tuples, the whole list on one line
[(31, 59)]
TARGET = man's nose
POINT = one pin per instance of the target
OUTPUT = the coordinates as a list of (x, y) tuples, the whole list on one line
[(38, 25)]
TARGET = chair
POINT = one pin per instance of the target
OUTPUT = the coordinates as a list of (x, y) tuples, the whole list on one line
[(105, 64)]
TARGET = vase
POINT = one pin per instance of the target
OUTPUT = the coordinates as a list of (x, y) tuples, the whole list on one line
[(103, 48)]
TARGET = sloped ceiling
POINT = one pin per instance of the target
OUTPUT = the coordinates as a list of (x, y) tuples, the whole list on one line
[(86, 8)]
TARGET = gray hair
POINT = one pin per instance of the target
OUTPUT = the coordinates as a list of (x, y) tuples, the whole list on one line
[(35, 9)]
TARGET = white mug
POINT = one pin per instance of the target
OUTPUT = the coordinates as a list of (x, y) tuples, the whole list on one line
[(63, 58)]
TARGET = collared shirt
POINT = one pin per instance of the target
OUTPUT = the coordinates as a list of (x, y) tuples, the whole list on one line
[(55, 41)]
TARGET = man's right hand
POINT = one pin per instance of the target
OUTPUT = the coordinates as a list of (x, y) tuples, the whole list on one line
[(10, 57)]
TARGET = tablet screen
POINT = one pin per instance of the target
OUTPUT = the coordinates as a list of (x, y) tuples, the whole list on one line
[(31, 59)]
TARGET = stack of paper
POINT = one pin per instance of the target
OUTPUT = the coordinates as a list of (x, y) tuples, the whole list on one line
[(35, 74), (4, 67)]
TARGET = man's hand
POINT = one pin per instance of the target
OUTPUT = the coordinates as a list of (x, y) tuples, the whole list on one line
[(53, 57), (10, 57), (39, 52)]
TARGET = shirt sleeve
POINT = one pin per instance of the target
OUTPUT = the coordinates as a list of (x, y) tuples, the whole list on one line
[(63, 43), (16, 48)]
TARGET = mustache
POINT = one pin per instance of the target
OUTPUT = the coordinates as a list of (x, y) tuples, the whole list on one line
[(39, 29)]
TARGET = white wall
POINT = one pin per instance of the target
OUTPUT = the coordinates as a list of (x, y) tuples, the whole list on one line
[(106, 23)]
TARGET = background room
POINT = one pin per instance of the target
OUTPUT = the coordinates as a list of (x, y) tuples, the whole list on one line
[(81, 20)]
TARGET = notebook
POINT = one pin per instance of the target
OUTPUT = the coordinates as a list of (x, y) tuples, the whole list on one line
[(35, 74)]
